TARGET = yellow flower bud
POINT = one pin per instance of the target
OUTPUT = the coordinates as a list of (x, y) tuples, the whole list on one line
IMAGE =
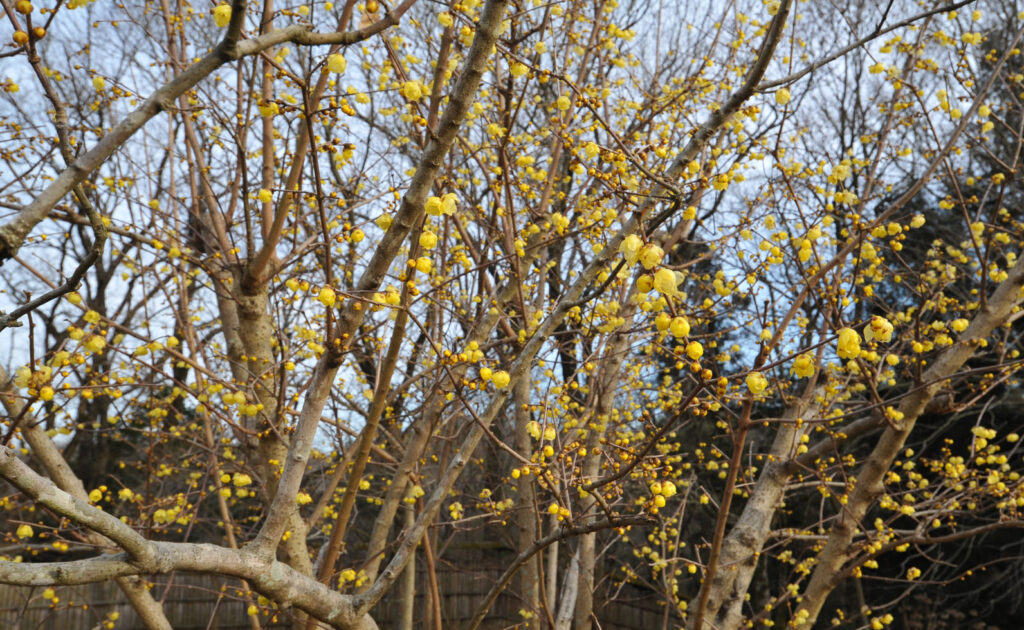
[(694, 350), (680, 327)]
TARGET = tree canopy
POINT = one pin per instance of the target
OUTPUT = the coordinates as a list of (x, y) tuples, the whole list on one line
[(715, 301)]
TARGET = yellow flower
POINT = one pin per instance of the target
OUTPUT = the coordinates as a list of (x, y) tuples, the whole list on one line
[(449, 203), (455, 509), (694, 350), (651, 255), (485, 374), (99, 83), (959, 325), (424, 264), (559, 221), (848, 344), (680, 327), (241, 480), (336, 63), (434, 206), (428, 240), (22, 376), (25, 531), (879, 328), (267, 110), (803, 365), (222, 15), (500, 379), (327, 296), (533, 428), (782, 96), (756, 383), (563, 103), (665, 282), (348, 575), (630, 248), (95, 343), (412, 90)]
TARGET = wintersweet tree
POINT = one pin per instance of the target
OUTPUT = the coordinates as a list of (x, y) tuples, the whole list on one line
[(718, 301)]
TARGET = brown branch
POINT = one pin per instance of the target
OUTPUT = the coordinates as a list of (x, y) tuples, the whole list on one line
[(875, 34), (14, 232), (412, 209)]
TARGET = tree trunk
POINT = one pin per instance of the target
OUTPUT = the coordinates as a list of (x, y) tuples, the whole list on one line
[(569, 592), (742, 547), (407, 595), (526, 515)]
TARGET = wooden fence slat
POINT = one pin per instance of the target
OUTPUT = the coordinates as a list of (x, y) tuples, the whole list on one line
[(193, 599)]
